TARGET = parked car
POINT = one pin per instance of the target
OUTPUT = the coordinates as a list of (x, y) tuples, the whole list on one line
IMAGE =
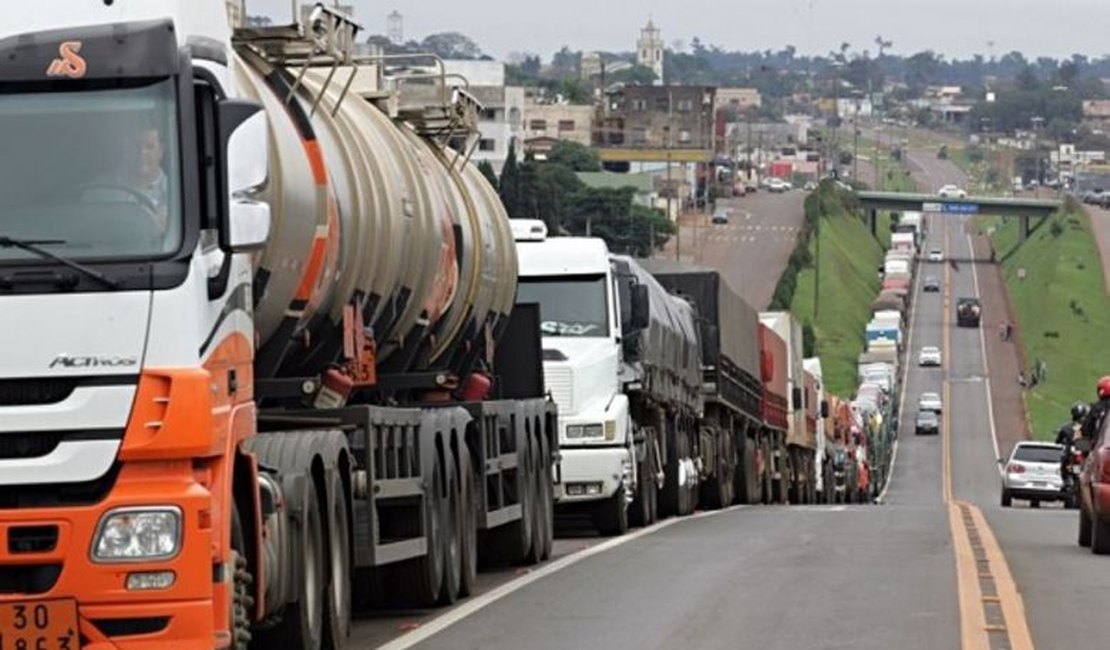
[(936, 255), (1094, 493), (929, 402), (951, 192), (777, 185), (929, 356), (926, 422), (720, 215), (1092, 196), (930, 284), (810, 186), (1032, 472)]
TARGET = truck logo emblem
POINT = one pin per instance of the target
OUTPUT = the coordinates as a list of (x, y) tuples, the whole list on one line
[(66, 361), (69, 63)]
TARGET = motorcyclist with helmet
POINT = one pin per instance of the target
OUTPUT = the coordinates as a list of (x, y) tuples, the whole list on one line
[(1092, 423), (1066, 437)]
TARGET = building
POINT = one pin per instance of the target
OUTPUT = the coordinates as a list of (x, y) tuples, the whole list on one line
[(848, 108), (546, 124), (658, 118), (1096, 114), (236, 13), (649, 50), (590, 65), (502, 113), (737, 101)]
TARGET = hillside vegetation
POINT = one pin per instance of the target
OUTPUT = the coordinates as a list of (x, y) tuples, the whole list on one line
[(841, 260), (1062, 310)]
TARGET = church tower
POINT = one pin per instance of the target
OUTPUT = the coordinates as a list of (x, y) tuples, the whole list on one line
[(649, 50)]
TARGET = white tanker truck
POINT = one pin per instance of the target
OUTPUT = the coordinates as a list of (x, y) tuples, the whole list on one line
[(253, 317)]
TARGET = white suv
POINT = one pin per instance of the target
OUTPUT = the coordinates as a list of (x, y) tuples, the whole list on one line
[(1033, 473)]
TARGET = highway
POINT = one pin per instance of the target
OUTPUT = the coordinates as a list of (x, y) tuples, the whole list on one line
[(938, 564)]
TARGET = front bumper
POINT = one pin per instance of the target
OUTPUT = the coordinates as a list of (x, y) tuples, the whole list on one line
[(109, 615), (586, 469)]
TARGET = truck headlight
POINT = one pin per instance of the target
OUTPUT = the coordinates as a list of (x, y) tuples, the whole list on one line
[(138, 534), (585, 431)]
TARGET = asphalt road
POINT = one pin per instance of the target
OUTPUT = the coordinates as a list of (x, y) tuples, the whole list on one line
[(859, 577), (752, 249)]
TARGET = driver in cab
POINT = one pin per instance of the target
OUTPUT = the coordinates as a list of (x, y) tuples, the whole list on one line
[(138, 177)]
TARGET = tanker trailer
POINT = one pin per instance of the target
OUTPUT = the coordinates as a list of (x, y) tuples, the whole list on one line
[(290, 373)]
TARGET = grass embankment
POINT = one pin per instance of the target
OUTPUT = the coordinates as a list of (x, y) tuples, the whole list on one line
[(848, 284), (1062, 310)]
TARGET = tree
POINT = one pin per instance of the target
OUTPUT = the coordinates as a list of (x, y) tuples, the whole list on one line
[(451, 45), (640, 75), (574, 156), (565, 62), (487, 170), (509, 184), (575, 91)]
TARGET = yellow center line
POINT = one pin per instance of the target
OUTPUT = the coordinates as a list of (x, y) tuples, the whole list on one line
[(974, 629)]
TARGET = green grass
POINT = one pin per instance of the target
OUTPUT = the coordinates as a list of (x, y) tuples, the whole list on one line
[(848, 285), (1062, 310)]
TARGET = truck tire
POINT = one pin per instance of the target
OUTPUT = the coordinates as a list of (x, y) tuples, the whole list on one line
[(1084, 528), (642, 510), (1100, 535), (419, 581), (302, 622), (611, 515), (748, 486), (546, 497), (337, 610), (539, 510), (241, 599), (451, 515), (717, 493), (468, 531), (767, 478), (512, 542)]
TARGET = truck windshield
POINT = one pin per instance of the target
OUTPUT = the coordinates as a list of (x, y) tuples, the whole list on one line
[(569, 306), (91, 174)]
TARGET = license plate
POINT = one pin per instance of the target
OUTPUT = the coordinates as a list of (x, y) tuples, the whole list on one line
[(39, 625)]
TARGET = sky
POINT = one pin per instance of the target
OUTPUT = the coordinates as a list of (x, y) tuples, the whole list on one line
[(955, 28)]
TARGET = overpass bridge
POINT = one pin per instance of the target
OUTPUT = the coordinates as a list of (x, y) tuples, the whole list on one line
[(1023, 209)]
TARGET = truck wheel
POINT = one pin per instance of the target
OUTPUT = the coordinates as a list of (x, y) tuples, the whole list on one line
[(1034, 503), (641, 511), (512, 542), (768, 491), (546, 497), (451, 515), (1100, 535), (468, 528), (420, 580), (242, 585), (338, 607), (716, 493), (611, 516), (302, 622), (1084, 528), (747, 479), (539, 511)]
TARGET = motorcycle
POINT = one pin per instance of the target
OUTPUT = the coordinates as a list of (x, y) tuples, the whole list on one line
[(1073, 464), (840, 473)]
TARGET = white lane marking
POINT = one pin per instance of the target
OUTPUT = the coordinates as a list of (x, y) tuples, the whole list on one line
[(473, 605), (986, 366), (905, 374)]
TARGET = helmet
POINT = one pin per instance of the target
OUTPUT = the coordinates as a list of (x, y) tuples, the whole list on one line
[(1079, 409), (1104, 387)]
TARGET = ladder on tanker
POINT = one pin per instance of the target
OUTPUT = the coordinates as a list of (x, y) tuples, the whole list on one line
[(435, 104)]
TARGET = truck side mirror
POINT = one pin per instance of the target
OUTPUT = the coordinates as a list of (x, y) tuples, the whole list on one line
[(244, 148), (824, 408), (641, 307), (797, 399)]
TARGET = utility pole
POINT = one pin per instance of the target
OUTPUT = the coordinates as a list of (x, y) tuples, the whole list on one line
[(670, 186), (749, 113), (855, 148)]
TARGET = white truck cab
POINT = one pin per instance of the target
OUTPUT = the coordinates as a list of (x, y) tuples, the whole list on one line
[(572, 280)]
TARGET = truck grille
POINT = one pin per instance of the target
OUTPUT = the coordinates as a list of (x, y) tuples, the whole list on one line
[(560, 383), (28, 445), (29, 392)]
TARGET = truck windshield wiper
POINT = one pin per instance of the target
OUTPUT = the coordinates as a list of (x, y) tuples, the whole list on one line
[(36, 246)]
